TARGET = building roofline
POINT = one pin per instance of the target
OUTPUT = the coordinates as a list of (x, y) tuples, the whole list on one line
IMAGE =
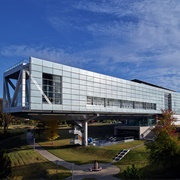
[(153, 85)]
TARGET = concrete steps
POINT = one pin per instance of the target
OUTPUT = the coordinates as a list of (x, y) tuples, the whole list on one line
[(121, 155)]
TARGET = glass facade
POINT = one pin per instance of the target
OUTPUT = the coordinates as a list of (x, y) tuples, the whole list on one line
[(52, 88), (119, 103)]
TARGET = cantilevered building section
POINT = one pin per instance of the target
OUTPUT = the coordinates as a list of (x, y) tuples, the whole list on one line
[(43, 89)]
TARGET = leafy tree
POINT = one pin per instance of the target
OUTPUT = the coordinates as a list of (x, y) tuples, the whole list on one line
[(6, 119), (133, 173), (165, 150), (166, 123), (32, 122), (5, 165), (52, 131)]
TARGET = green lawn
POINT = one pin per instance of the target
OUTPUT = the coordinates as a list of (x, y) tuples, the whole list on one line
[(84, 155), (138, 156), (79, 154), (27, 163)]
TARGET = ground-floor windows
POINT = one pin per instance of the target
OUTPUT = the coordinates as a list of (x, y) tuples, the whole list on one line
[(119, 103)]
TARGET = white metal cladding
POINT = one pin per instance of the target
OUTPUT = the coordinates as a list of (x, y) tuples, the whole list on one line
[(78, 85)]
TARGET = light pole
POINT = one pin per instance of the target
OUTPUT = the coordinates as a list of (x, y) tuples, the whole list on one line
[(56, 168), (34, 144), (72, 170)]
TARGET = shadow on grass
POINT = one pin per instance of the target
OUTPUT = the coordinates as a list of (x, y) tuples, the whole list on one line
[(70, 146), (15, 143), (153, 172), (156, 172), (40, 170)]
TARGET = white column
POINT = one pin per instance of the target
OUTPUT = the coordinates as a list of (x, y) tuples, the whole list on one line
[(23, 88), (85, 133)]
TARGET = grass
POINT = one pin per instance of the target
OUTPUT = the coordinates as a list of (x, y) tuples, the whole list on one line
[(27, 163), (11, 133), (85, 155), (78, 154), (138, 157)]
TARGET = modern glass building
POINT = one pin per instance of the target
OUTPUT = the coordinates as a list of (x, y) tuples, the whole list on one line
[(41, 87)]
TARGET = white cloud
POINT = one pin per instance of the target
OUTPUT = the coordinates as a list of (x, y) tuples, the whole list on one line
[(141, 32), (99, 61), (78, 59), (49, 53), (151, 29), (136, 39)]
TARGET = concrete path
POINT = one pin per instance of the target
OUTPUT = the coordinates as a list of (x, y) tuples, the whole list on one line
[(79, 171)]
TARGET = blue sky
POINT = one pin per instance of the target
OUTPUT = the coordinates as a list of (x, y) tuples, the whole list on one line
[(130, 39)]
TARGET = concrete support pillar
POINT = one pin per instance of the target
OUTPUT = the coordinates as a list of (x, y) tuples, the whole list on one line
[(85, 133)]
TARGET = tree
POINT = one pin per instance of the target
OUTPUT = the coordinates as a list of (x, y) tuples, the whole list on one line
[(5, 165), (52, 131), (6, 119), (165, 150), (166, 123)]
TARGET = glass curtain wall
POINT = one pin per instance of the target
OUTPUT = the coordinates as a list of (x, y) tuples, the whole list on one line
[(119, 103), (52, 87)]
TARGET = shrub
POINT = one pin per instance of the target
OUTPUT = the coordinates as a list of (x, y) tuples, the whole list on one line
[(133, 173), (5, 165)]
